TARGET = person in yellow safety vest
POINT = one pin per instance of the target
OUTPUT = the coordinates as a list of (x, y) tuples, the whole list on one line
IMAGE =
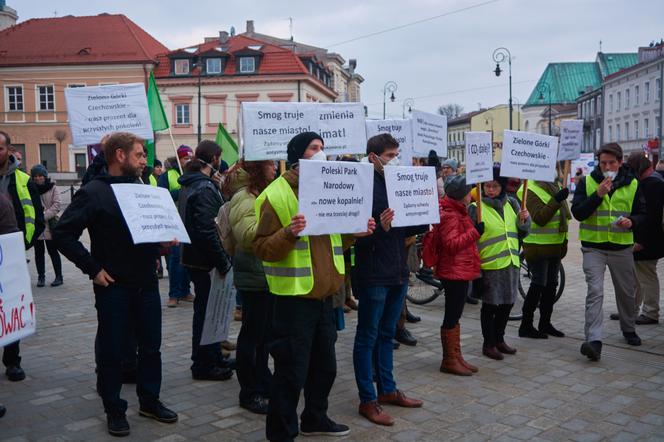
[(302, 273), (544, 248), (608, 205), (505, 222), (16, 186)]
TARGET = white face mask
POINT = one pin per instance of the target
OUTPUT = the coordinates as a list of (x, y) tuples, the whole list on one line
[(318, 156), (393, 162), (364, 160), (610, 174)]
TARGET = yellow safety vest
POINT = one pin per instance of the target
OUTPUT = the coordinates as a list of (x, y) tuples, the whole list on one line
[(153, 180), (548, 233), (499, 244), (26, 202), (173, 176), (598, 227), (293, 276)]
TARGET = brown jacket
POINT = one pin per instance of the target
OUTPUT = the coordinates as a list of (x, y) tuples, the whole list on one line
[(541, 214), (273, 242)]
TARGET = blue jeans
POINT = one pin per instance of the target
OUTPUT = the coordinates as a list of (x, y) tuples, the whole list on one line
[(178, 278), (378, 311)]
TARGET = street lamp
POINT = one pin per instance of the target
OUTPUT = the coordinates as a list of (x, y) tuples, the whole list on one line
[(542, 88), (499, 56), (409, 102), (390, 87), (487, 118)]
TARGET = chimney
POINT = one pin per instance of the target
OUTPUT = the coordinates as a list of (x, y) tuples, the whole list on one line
[(352, 64), (223, 37), (250, 26)]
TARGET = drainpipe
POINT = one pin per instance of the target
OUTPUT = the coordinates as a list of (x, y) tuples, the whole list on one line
[(299, 96)]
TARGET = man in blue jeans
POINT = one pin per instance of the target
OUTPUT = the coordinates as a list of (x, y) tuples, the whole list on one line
[(381, 276)]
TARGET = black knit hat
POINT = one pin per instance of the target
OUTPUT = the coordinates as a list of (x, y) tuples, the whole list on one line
[(456, 187), (298, 144)]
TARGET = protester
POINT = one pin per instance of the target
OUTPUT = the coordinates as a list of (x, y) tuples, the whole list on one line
[(544, 248), (124, 282), (608, 205), (199, 203), (648, 239), (504, 223), (245, 182), (447, 169), (381, 275), (50, 200), (157, 168), (17, 187), (303, 272), (458, 263)]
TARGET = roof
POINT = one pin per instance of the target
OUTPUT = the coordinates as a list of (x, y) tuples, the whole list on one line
[(464, 118), (566, 82), (611, 63), (70, 40)]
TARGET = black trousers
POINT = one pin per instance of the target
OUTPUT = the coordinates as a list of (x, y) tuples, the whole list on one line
[(252, 353), (302, 338), (11, 354), (455, 300), (52, 252), (204, 357), (494, 321)]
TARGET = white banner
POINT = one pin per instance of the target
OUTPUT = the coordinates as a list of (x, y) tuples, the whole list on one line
[(479, 157), (219, 309), (529, 156), (96, 111), (429, 133), (17, 315), (267, 127), (413, 195), (401, 130), (150, 213), (571, 139), (335, 196)]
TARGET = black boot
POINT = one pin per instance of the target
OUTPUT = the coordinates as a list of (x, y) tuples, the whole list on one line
[(546, 309), (527, 330), (3, 410), (41, 281), (57, 281)]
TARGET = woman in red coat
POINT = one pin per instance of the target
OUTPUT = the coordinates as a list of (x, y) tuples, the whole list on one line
[(458, 263)]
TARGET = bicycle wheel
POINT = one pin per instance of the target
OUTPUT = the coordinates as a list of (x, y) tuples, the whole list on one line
[(420, 293), (561, 283), (524, 276)]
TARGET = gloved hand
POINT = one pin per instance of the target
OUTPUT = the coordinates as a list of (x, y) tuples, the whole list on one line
[(561, 195), (480, 228)]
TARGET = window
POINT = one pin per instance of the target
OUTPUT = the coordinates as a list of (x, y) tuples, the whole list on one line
[(636, 129), (599, 105), (626, 98), (646, 128), (658, 89), (609, 134), (636, 95), (658, 122), (181, 67), (610, 103), (182, 114), (618, 100), (626, 131), (46, 98), (80, 164), (247, 65), (598, 134), (47, 157), (578, 110), (213, 66), (646, 99), (618, 137), (14, 98)]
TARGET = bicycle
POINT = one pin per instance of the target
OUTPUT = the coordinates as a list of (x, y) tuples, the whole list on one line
[(525, 276)]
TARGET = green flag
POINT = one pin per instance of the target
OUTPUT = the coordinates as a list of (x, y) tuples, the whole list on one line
[(157, 116), (230, 151)]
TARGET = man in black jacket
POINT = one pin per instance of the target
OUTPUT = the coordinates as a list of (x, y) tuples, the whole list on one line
[(124, 283), (381, 275)]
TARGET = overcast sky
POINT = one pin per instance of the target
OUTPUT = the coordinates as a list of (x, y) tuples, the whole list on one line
[(444, 60)]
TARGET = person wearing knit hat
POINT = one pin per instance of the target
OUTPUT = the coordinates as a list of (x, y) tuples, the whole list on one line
[(300, 143), (38, 170)]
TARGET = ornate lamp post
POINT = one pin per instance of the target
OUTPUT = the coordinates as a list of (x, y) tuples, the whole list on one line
[(542, 89), (390, 87), (499, 56), (407, 103)]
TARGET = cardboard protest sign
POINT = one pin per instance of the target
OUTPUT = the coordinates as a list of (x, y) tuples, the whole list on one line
[(401, 130), (529, 156), (479, 157), (150, 213), (571, 139), (219, 309), (335, 196), (429, 133), (413, 195), (342, 127), (96, 111), (17, 315)]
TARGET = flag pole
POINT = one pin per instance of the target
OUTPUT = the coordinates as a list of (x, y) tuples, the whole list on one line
[(175, 149)]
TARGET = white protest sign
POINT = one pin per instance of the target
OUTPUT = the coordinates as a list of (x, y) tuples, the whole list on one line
[(479, 157), (413, 195), (342, 127), (401, 130), (96, 111), (219, 309), (335, 196), (529, 156), (571, 138), (150, 213), (17, 316), (429, 133)]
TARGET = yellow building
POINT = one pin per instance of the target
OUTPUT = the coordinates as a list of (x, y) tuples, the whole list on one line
[(495, 120)]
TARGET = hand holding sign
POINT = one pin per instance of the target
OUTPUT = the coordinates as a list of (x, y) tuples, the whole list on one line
[(297, 225), (386, 219), (371, 227)]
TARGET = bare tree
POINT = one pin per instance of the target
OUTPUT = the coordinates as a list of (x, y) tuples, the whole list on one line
[(451, 110), (60, 135)]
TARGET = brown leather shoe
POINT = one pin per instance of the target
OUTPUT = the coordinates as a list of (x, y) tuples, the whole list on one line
[(374, 413), (504, 348), (451, 363), (399, 399), (471, 367), (493, 353)]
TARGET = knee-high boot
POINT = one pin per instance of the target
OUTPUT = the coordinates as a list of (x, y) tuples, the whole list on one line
[(546, 310), (451, 363), (526, 329)]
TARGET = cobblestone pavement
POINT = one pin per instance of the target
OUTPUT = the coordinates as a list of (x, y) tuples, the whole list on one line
[(547, 391)]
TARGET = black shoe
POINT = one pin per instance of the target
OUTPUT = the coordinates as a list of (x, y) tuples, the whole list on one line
[(158, 412), (57, 281), (325, 428), (129, 376), (471, 300), (395, 344), (15, 373), (257, 405), (412, 318), (214, 374), (117, 424), (551, 330), (614, 317), (644, 320), (3, 410), (41, 281), (228, 363), (632, 338), (528, 331), (592, 349), (404, 337)]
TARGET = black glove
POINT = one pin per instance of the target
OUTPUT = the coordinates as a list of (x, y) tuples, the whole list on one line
[(562, 195), (480, 228)]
